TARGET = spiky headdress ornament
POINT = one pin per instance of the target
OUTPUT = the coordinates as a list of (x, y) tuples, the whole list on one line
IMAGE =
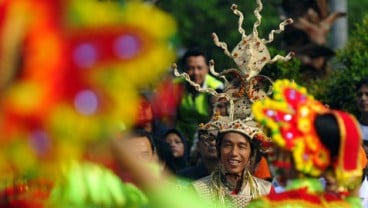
[(246, 86)]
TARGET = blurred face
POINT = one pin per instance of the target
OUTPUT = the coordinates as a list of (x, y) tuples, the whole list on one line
[(235, 152), (221, 108), (331, 183), (140, 148), (362, 99), (176, 145), (145, 116), (197, 68), (207, 144)]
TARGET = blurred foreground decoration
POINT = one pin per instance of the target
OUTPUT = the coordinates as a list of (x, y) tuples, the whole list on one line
[(70, 74), (307, 37)]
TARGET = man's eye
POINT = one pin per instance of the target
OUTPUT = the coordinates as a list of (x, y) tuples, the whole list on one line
[(145, 155), (243, 147)]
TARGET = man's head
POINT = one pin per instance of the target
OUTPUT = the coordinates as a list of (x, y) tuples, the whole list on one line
[(235, 152), (195, 64), (207, 144), (140, 145), (362, 95)]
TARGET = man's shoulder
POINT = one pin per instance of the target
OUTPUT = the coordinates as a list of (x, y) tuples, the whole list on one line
[(187, 171), (263, 185), (205, 181), (213, 83), (194, 172), (262, 181)]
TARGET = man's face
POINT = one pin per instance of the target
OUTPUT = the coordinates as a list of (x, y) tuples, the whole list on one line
[(207, 144), (235, 152), (362, 99), (197, 68), (140, 148)]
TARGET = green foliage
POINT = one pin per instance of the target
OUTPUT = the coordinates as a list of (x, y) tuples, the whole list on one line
[(338, 90), (356, 11), (283, 70)]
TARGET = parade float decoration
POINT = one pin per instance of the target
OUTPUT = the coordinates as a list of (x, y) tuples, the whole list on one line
[(71, 72)]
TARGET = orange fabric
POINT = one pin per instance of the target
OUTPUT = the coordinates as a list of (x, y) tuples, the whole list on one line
[(262, 170), (363, 157)]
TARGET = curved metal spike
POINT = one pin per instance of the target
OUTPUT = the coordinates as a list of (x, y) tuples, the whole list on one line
[(281, 28), (195, 85), (212, 70), (234, 7), (282, 58), (258, 16), (222, 45)]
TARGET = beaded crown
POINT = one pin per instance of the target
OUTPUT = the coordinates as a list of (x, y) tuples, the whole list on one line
[(245, 84)]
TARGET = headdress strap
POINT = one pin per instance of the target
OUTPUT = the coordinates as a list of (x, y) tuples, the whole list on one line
[(348, 165)]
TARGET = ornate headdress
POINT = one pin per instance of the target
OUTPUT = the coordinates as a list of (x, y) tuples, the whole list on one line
[(291, 116), (246, 86)]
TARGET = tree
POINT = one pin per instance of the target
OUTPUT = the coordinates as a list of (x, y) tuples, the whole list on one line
[(338, 90)]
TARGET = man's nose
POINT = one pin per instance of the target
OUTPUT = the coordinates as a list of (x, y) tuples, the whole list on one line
[(234, 151), (211, 144), (197, 71)]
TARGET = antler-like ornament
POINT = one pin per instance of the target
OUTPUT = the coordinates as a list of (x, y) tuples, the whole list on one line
[(195, 85), (251, 53)]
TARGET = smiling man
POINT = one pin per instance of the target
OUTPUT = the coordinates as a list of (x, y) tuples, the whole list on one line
[(235, 152), (232, 183)]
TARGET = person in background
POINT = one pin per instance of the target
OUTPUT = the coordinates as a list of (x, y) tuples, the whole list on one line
[(146, 120), (166, 159), (194, 107), (179, 149), (208, 157), (362, 104), (141, 147)]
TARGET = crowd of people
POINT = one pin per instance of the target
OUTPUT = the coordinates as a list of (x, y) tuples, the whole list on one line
[(201, 138), (314, 156)]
